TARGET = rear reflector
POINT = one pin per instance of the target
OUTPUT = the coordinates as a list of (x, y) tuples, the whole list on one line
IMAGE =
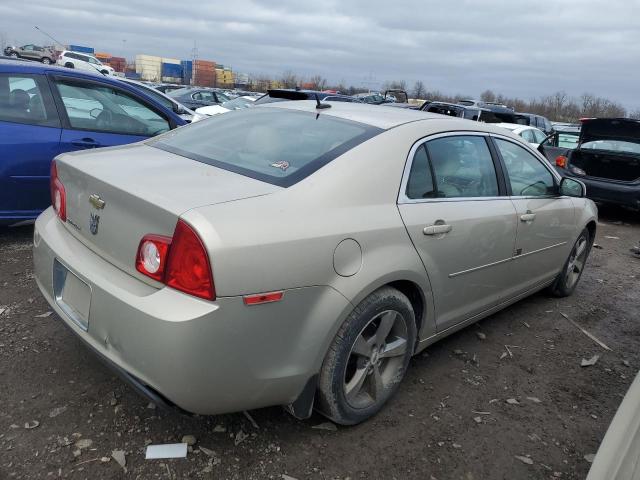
[(561, 161), (58, 194), (260, 298)]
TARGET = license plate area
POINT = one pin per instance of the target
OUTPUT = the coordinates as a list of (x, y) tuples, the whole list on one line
[(71, 294)]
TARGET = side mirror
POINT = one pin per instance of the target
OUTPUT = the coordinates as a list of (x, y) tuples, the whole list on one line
[(572, 188)]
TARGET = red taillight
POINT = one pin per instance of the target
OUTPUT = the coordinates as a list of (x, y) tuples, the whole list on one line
[(58, 194), (188, 267), (152, 256), (561, 161), (180, 262)]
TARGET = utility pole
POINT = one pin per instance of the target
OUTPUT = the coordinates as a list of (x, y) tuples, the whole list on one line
[(194, 58), (49, 36)]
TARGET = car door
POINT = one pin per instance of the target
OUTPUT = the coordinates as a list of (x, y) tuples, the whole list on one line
[(98, 114), (28, 51), (546, 220), (453, 202), (29, 139)]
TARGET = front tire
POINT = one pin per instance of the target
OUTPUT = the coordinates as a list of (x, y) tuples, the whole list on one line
[(69, 65), (368, 358), (13, 55), (46, 61), (567, 280)]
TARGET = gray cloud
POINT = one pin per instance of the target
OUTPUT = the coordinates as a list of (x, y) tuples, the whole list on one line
[(517, 48)]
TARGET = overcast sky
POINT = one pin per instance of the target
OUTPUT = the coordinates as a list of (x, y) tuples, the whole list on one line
[(518, 48)]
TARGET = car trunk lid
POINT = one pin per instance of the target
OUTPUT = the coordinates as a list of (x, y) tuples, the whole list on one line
[(609, 148), (115, 196)]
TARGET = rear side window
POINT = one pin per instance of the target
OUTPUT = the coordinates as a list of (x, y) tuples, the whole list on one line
[(275, 145), (461, 166), (420, 183), (101, 108), (27, 99)]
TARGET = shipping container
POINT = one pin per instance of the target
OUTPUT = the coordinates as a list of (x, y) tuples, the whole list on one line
[(149, 67), (187, 71), (175, 61), (132, 75), (171, 70), (81, 49)]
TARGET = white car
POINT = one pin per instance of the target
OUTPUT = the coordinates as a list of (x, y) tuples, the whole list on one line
[(235, 104), (532, 135), (83, 61)]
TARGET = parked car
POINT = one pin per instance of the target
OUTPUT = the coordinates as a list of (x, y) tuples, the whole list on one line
[(531, 135), (293, 251), (618, 457), (284, 94), (166, 88), (373, 98), (236, 104), (496, 112), (539, 122), (606, 158), (46, 110), (196, 97), (452, 110), (185, 113), (557, 146), (83, 61), (46, 55)]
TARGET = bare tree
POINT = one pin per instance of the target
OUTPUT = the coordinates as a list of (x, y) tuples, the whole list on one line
[(488, 96), (318, 82), (3, 42), (289, 79), (418, 90), (635, 114)]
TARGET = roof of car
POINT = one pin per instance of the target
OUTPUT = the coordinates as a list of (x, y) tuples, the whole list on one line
[(381, 116)]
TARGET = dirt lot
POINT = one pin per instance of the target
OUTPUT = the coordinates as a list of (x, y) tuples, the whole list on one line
[(450, 419)]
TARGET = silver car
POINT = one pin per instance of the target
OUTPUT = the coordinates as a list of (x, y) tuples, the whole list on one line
[(299, 254)]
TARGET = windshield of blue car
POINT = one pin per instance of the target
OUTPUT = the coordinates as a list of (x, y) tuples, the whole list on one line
[(274, 145), (612, 146)]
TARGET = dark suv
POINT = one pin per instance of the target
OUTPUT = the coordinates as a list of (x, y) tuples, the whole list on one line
[(539, 121), (45, 55)]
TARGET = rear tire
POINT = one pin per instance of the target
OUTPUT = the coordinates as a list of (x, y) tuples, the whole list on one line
[(567, 280), (69, 65), (46, 61), (368, 358)]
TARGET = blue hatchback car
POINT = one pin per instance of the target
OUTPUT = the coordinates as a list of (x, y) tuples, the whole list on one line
[(47, 110)]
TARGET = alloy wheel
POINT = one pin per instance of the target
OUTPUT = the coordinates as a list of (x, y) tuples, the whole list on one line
[(376, 359), (576, 262)]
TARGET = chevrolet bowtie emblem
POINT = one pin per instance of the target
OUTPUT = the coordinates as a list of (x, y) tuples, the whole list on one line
[(96, 201)]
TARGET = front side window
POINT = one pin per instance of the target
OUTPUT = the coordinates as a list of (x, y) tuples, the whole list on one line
[(26, 99), (274, 145), (96, 107), (462, 167), (525, 173), (93, 60)]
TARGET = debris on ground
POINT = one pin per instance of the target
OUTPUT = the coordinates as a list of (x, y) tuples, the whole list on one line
[(477, 419), (32, 424), (626, 363), (588, 334), (481, 335), (168, 450), (596, 246), (190, 440), (57, 411), (251, 419), (611, 237), (523, 459), (120, 457), (590, 362), (288, 477), (589, 457), (83, 443), (534, 399), (330, 427), (44, 315), (220, 429), (512, 401), (240, 437)]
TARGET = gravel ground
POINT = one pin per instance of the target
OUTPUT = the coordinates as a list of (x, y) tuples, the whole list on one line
[(62, 413)]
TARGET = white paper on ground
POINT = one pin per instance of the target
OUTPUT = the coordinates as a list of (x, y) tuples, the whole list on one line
[(170, 450)]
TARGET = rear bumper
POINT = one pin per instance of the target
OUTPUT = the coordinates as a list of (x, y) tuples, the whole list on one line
[(204, 357)]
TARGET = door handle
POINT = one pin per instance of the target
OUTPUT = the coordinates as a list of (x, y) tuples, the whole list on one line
[(436, 229), (528, 217), (85, 143)]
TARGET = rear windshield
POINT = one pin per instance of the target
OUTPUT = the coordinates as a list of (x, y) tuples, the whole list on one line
[(275, 145)]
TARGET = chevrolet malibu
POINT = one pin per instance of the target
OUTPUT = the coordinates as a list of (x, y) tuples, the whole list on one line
[(299, 254)]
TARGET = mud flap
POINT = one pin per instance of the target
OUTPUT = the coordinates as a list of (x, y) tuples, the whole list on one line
[(302, 407)]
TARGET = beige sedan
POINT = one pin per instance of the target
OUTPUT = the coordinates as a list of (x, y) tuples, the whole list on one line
[(300, 253)]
